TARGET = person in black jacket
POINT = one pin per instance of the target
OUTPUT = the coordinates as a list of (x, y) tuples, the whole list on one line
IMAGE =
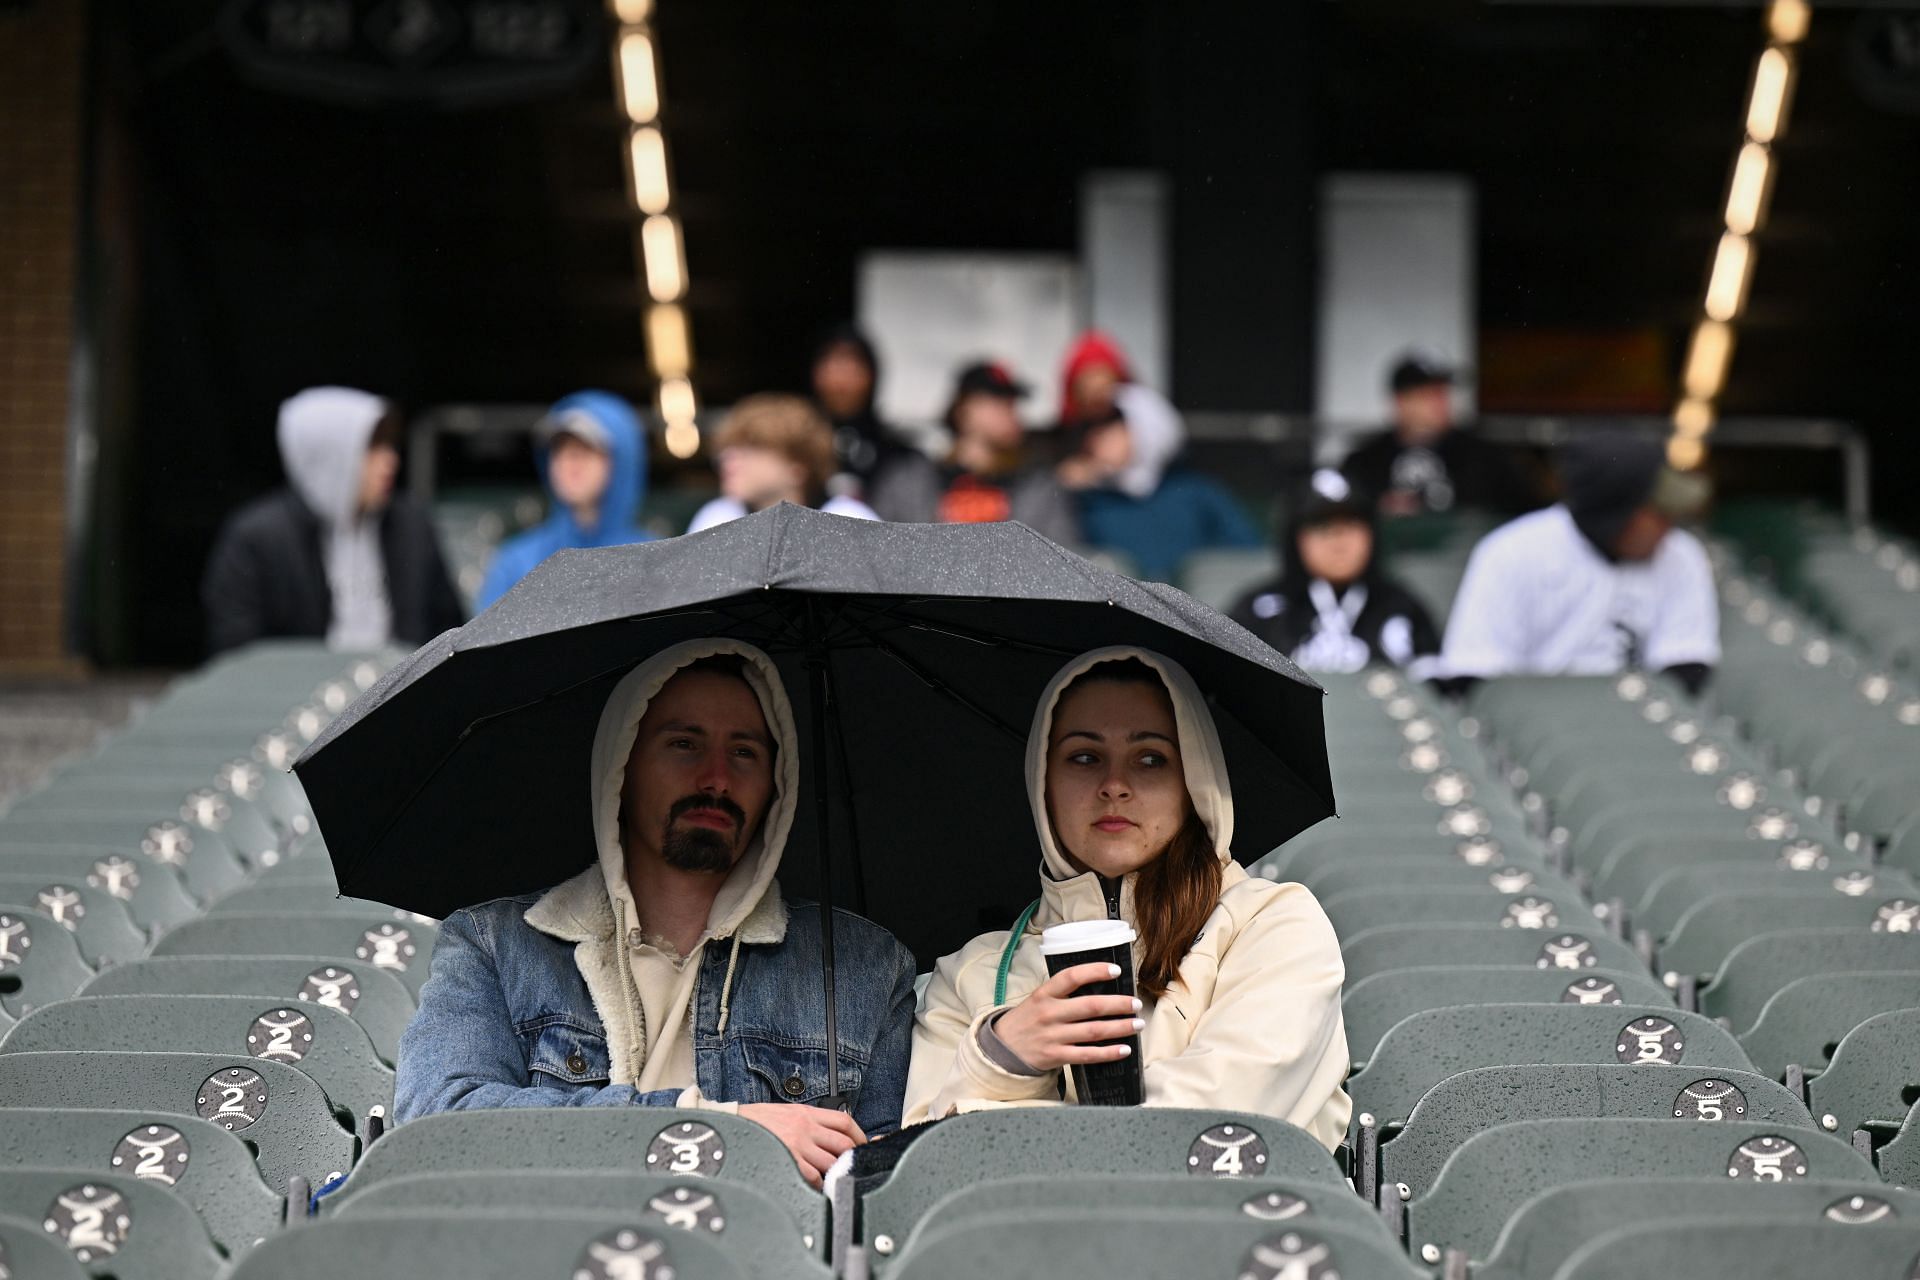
[(1426, 462), (846, 379), (335, 554), (1331, 608)]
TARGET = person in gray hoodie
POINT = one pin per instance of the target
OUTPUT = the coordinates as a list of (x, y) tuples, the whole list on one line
[(335, 554)]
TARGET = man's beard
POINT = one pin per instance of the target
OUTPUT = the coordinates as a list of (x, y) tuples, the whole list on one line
[(701, 848)]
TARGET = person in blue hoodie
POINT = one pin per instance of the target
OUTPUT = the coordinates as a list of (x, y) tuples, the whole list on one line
[(593, 459)]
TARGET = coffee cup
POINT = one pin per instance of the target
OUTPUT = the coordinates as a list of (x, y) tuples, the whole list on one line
[(1100, 1084)]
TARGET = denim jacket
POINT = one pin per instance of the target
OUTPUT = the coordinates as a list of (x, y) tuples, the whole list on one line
[(507, 1019)]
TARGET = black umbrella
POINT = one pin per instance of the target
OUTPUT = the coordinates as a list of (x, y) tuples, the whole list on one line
[(914, 654)]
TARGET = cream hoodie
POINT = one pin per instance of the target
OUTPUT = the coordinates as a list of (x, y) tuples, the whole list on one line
[(642, 991), (1252, 1021)]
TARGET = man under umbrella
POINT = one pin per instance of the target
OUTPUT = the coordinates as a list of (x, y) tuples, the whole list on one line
[(672, 973)]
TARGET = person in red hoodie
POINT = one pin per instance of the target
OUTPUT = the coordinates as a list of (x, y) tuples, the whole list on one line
[(1124, 438)]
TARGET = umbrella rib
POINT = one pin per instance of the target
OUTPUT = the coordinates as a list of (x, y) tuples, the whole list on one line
[(938, 685)]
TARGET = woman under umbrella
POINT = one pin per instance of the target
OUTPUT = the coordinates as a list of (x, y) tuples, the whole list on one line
[(1238, 978)]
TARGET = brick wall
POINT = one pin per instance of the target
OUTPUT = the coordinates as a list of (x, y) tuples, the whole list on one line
[(41, 61)]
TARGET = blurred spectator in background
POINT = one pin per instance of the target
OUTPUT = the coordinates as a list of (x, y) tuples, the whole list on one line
[(1332, 608), (335, 553), (592, 455), (1182, 513), (1600, 582), (774, 448), (846, 378), (987, 475), (1096, 387), (1425, 462)]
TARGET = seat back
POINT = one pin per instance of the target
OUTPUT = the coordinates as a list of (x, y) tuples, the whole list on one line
[(1545, 1230), (27, 1250), (378, 1001), (283, 1114), (1490, 1174), (112, 1223), (203, 859), (1065, 1141), (1145, 1243), (39, 961), (1805, 1020), (1874, 1076), (1900, 1159), (1393, 946), (749, 1226), (1708, 1248), (323, 1043), (698, 1144), (101, 926), (1760, 966), (1703, 937), (1535, 910), (1374, 1004), (295, 896), (1462, 1105), (401, 946), (206, 1166), (459, 1245), (1426, 1048), (155, 895)]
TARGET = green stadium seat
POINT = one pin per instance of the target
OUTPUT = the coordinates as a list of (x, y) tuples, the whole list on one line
[(1424, 1049), (1759, 967), (1707, 1249), (1874, 1076), (1146, 1243), (283, 896), (1443, 871), (1491, 1174), (701, 1144), (27, 1250), (1709, 932), (1373, 1004), (204, 1165), (378, 1001), (112, 1224), (204, 861), (1361, 849), (1462, 1105), (1062, 1141), (39, 961), (323, 1043), (1219, 576), (1530, 910), (1385, 947), (98, 921), (400, 946), (155, 895), (749, 1226), (293, 1130), (1548, 1228), (459, 1245), (1678, 892), (1639, 869), (1900, 1159), (1805, 1020)]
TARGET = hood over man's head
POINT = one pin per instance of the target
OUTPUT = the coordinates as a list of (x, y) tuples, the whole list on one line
[(340, 450), (696, 761)]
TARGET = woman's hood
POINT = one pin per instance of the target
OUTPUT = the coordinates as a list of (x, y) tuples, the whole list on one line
[(613, 744), (323, 434), (1201, 756)]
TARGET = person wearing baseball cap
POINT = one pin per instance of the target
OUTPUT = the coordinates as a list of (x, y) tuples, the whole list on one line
[(1332, 608), (987, 475), (591, 450), (1425, 462), (1601, 582)]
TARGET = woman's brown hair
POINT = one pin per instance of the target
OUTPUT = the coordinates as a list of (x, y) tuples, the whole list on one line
[(1174, 893)]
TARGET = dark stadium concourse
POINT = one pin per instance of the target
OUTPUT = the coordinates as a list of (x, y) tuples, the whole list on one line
[(870, 640), (251, 231)]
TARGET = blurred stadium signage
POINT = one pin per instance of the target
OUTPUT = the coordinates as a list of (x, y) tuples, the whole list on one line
[(446, 52)]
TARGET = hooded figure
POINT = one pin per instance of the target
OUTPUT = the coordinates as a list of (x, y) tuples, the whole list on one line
[(1249, 1018), (562, 998), (335, 554), (1599, 583), (1096, 386), (1332, 608), (845, 374), (605, 423)]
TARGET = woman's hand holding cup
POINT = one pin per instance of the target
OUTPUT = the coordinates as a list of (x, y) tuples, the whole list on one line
[(1053, 1027)]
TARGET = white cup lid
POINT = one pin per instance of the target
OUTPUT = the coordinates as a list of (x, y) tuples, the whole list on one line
[(1085, 935)]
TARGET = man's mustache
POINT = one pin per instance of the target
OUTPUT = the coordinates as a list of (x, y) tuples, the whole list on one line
[(721, 804)]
